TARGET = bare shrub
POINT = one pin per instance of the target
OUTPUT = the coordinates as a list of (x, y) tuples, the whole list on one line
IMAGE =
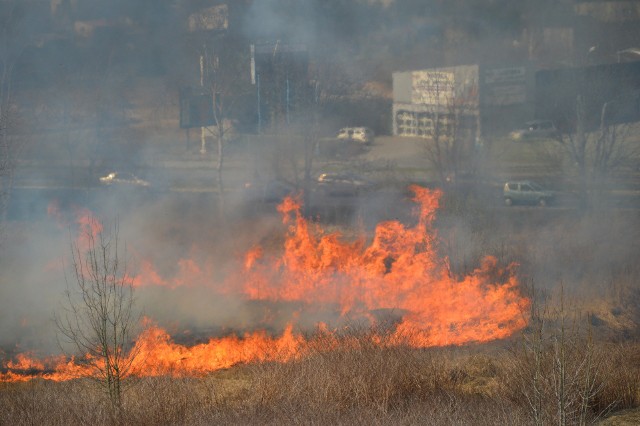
[(347, 372), (621, 389), (162, 400), (556, 369), (358, 383), (364, 377), (41, 402), (98, 316)]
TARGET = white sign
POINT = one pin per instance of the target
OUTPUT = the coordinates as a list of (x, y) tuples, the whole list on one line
[(213, 18), (432, 87)]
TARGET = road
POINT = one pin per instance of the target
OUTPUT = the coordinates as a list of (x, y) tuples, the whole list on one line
[(391, 161)]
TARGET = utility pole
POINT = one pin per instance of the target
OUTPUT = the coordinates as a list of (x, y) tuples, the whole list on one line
[(259, 113), (203, 143)]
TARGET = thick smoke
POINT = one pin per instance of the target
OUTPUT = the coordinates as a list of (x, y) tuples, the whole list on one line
[(92, 103)]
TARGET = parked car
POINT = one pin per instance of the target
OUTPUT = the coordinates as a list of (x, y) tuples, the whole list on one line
[(123, 179), (346, 133), (537, 129), (526, 192), (363, 134), (345, 184), (357, 134)]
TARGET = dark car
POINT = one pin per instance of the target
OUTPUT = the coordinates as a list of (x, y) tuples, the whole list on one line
[(526, 192), (343, 184)]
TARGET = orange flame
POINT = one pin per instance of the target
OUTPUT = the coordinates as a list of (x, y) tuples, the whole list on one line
[(89, 228), (156, 355), (399, 271), (25, 367)]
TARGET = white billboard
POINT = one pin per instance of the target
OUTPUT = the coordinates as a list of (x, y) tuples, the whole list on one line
[(212, 18), (432, 87)]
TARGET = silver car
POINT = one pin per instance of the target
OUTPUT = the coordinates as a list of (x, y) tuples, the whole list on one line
[(123, 179), (526, 192)]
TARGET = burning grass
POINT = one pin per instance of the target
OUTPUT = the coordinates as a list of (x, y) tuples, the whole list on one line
[(358, 382), (402, 371), (399, 270)]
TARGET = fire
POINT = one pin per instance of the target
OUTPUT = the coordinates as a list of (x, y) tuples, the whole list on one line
[(158, 355), (58, 368), (397, 271), (88, 225), (90, 228), (155, 354)]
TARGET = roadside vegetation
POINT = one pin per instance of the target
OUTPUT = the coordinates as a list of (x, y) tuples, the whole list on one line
[(366, 383)]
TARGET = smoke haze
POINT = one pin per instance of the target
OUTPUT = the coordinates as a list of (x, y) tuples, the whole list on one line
[(96, 87)]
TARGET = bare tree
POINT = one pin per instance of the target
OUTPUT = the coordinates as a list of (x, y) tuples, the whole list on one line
[(98, 316), (302, 135), (557, 369), (223, 128), (220, 76), (300, 139), (452, 120), (599, 155)]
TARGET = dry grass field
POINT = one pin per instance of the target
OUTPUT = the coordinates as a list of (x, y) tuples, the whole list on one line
[(360, 383), (577, 361)]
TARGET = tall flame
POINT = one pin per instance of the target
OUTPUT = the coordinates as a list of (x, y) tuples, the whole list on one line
[(398, 270)]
